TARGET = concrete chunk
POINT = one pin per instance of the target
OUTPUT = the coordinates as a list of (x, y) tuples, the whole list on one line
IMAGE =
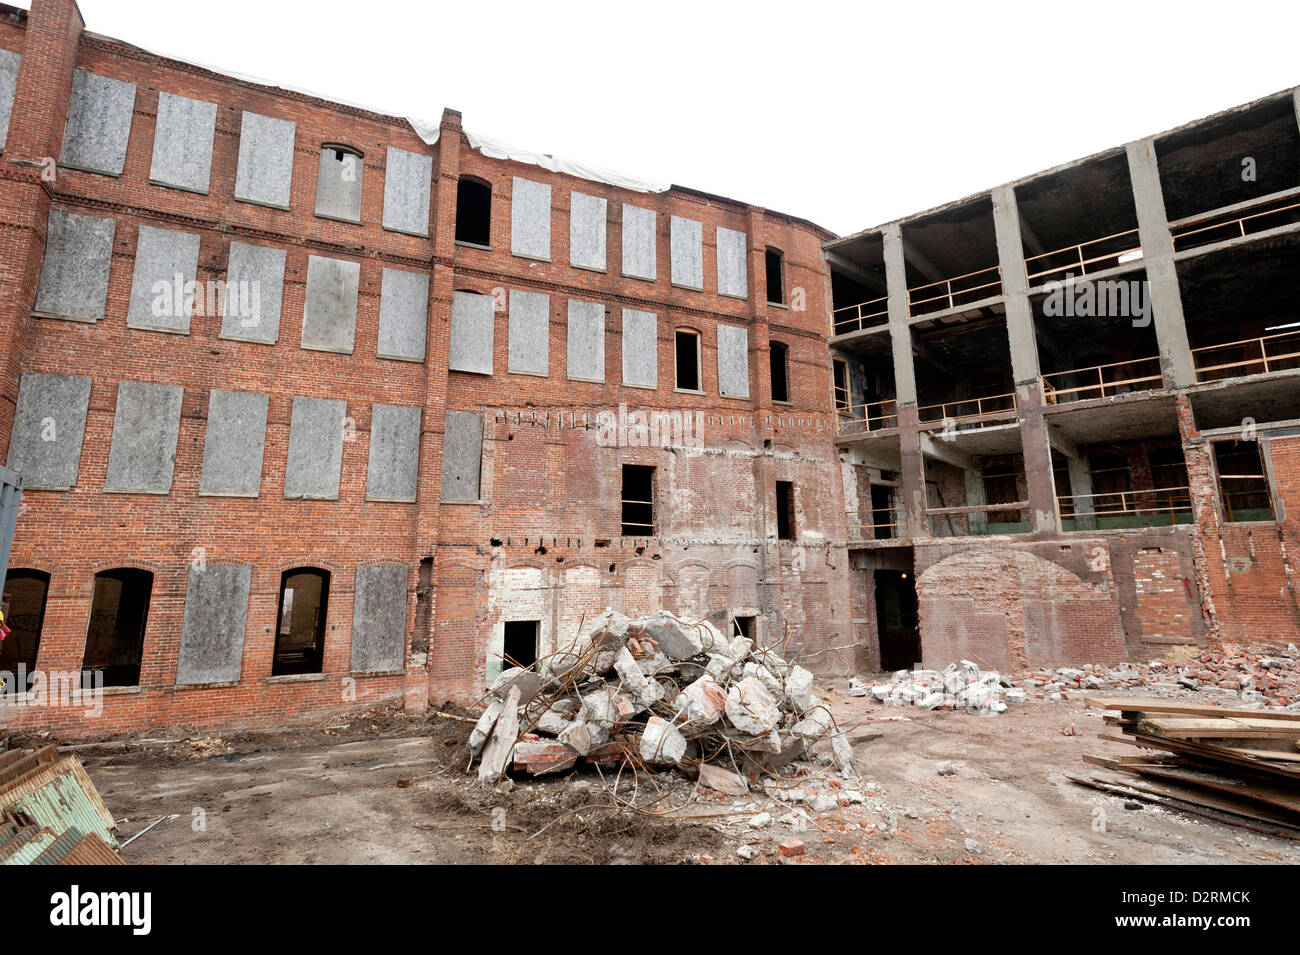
[(702, 703), (751, 708), (662, 742)]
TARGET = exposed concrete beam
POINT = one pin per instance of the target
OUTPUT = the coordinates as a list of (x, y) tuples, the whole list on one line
[(944, 451), (922, 264), (881, 459), (857, 272), (1057, 440), (1027, 233), (922, 350)]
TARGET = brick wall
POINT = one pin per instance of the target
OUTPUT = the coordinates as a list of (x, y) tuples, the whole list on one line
[(545, 481)]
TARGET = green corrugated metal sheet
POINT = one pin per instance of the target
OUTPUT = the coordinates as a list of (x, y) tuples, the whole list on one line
[(62, 797)]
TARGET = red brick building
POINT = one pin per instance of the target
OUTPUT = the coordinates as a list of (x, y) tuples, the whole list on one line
[(342, 488), (317, 407)]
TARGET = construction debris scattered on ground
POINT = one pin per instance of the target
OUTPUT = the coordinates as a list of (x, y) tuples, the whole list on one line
[(51, 813), (1257, 679), (958, 686), (657, 695), (1236, 765)]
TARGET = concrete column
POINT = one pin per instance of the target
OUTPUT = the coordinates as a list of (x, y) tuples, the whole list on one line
[(912, 501), (900, 334), (1080, 486), (975, 497), (1037, 452), (1015, 287), (1158, 253)]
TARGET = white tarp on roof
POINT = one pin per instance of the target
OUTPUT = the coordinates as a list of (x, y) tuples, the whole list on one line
[(428, 131), (497, 149)]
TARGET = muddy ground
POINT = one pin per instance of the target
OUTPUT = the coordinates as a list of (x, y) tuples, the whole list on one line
[(385, 788)]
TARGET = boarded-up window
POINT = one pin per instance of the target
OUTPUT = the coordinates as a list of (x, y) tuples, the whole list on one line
[(732, 252), (473, 318), (640, 349), (338, 183), (49, 424), (686, 252), (530, 219), (329, 314), (638, 243), (182, 143), (733, 361), (315, 461), (146, 426), (74, 274), (265, 171), (587, 228), (462, 452), (99, 124), (403, 315), (586, 340), (212, 635), (529, 333), (408, 179)]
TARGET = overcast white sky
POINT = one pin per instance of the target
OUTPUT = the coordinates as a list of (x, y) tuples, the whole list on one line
[(848, 114)]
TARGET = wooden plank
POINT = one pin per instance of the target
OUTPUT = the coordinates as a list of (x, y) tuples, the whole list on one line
[(1255, 791), (1229, 819), (1271, 755), (1234, 727), (1215, 754), (1189, 709), (1209, 800)]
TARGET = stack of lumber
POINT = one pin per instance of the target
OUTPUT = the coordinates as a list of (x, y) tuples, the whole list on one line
[(1240, 766)]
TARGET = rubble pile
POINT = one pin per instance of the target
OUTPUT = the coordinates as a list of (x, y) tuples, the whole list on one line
[(1250, 677), (958, 686), (656, 694)]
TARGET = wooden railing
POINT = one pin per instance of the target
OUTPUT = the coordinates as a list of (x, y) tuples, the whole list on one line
[(856, 531), (935, 416), (1274, 351), (873, 416), (1236, 221), (1139, 374), (1086, 257), (1170, 500), (960, 290), (854, 318), (948, 529)]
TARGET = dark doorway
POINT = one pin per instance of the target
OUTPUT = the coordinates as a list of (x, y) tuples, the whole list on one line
[(300, 630), (119, 610), (900, 640), (23, 605), (882, 511), (744, 627), (519, 647)]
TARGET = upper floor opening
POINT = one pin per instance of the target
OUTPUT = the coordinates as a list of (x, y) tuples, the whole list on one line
[(1078, 221), (952, 258), (1245, 163)]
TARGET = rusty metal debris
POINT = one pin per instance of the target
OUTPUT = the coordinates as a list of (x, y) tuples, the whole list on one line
[(653, 695)]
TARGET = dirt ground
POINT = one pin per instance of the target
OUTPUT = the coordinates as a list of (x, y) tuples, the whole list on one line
[(385, 788)]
